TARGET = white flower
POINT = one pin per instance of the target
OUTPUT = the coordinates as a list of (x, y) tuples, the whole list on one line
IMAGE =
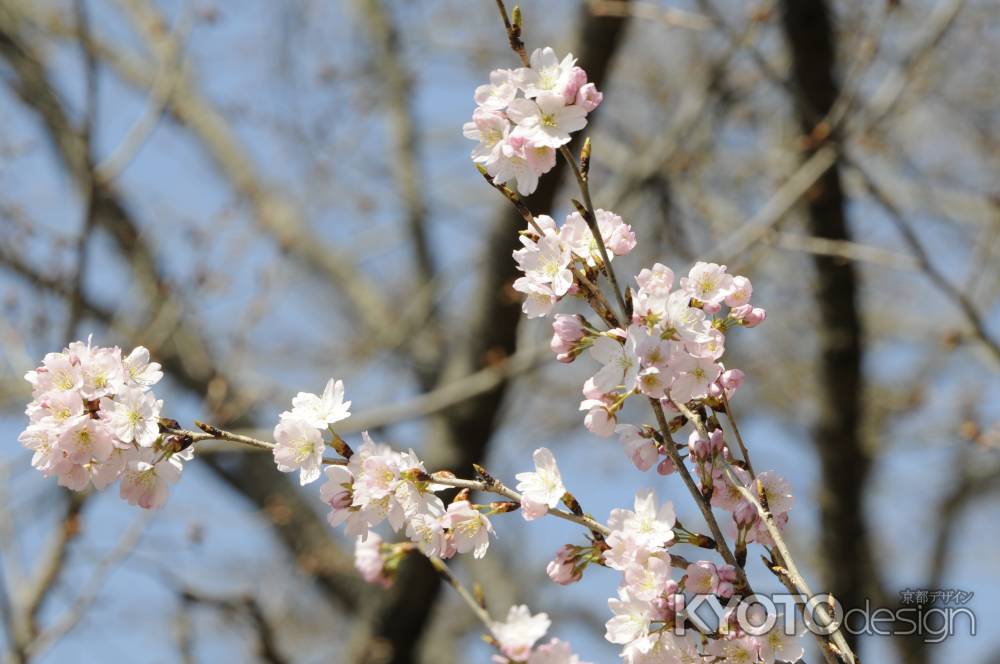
[(134, 416), (621, 364), (540, 298), (693, 377), (542, 487), (139, 371), (547, 262), (651, 526), (642, 450), (647, 581), (546, 121), (499, 92), (657, 280), (370, 562), (320, 411), (511, 162), (145, 484), (299, 446), (546, 75), (470, 530), (86, 439), (490, 129), (708, 282), (631, 621), (103, 373), (520, 631)]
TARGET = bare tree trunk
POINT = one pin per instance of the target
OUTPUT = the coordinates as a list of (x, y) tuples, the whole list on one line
[(809, 29)]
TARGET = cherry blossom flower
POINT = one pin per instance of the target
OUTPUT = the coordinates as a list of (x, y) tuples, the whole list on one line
[(299, 446), (512, 163), (547, 262), (469, 528), (631, 620), (139, 371), (708, 283), (323, 410), (546, 120), (639, 448), (650, 525), (542, 489), (693, 377), (620, 361), (133, 416), (546, 73), (519, 632), (499, 92), (145, 483), (540, 297)]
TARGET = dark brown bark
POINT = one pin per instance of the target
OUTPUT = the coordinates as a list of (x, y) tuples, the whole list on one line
[(809, 30)]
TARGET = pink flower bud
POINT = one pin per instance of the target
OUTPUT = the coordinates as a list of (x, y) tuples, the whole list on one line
[(666, 467), (622, 240), (562, 569), (731, 380), (711, 307), (568, 327), (589, 97), (699, 448), (741, 292), (576, 79), (755, 317), (600, 422)]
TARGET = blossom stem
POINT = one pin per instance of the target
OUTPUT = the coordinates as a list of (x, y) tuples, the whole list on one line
[(834, 646), (212, 432), (463, 592), (499, 488), (513, 34), (703, 506), (591, 219), (736, 432)]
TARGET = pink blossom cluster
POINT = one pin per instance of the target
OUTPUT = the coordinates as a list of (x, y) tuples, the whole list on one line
[(523, 115), (93, 419), (670, 351), (379, 484), (551, 253)]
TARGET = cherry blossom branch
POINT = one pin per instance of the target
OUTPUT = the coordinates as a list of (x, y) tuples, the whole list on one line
[(834, 646), (493, 485), (736, 432), (699, 499), (590, 216), (211, 432)]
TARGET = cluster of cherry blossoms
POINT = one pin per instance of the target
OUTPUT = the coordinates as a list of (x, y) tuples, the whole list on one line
[(93, 419), (519, 135), (671, 349), (379, 484), (553, 256)]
